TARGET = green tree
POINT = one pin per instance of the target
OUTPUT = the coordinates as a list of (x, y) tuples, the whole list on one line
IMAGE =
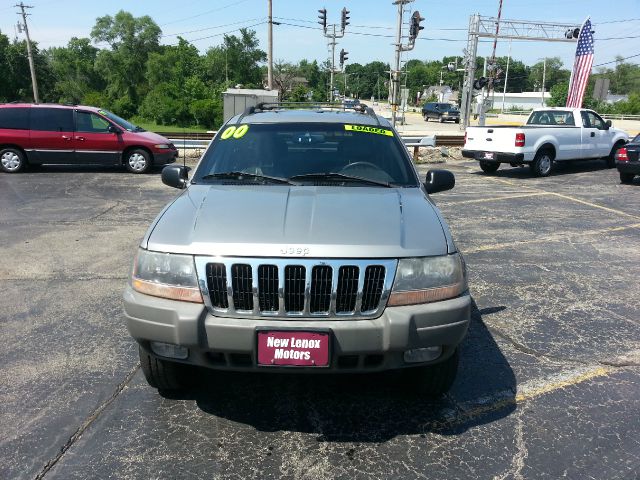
[(559, 95), (74, 71), (123, 67)]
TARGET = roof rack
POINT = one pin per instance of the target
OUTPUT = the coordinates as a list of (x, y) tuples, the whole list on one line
[(268, 106)]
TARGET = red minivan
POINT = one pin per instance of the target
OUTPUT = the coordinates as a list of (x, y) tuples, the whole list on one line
[(36, 134)]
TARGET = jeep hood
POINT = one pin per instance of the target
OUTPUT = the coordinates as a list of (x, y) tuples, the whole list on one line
[(296, 221)]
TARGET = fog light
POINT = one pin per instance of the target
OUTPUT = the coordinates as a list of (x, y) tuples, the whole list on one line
[(420, 355), (169, 350)]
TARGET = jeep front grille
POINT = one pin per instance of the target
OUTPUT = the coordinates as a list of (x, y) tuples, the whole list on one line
[(240, 287)]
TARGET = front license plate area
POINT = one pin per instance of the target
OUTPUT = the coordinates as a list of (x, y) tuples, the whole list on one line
[(294, 348), (488, 155)]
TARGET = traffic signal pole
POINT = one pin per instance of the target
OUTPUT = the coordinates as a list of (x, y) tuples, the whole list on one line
[(332, 43)]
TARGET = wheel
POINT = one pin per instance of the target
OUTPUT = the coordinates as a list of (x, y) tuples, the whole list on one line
[(626, 177), (11, 160), (426, 117), (162, 374), (489, 167), (138, 161), (433, 381), (458, 120), (542, 163), (611, 159), (441, 119)]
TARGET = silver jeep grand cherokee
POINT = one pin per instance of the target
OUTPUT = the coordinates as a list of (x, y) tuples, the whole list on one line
[(304, 240)]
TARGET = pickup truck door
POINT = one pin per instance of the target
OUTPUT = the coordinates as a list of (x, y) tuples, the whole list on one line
[(596, 139)]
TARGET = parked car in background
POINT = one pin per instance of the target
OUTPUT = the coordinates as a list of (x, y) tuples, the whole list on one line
[(628, 161), (350, 102), (550, 135), (443, 112), (302, 242), (36, 134)]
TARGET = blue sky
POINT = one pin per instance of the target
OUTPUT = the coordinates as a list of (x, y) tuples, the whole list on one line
[(53, 22)]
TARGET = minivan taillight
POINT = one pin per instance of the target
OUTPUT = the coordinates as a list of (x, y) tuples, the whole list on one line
[(519, 139), (622, 155)]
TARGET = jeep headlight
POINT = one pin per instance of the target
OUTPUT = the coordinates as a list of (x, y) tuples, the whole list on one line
[(166, 275), (428, 279)]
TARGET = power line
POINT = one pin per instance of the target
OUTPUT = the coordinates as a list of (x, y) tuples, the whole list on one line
[(205, 13), (212, 28), (617, 60), (223, 33)]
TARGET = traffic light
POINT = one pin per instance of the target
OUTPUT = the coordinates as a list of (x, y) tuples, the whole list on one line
[(572, 33), (480, 83), (415, 26), (345, 18), (323, 18), (343, 56)]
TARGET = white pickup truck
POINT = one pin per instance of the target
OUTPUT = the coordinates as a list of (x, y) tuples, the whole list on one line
[(549, 135)]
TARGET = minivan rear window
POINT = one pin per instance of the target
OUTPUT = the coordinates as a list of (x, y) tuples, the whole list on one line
[(52, 119), (14, 118)]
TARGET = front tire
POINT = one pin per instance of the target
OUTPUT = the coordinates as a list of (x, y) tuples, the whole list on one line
[(426, 118), (138, 161), (12, 160), (626, 177), (161, 374), (433, 381), (611, 159), (441, 119), (489, 167), (542, 163)]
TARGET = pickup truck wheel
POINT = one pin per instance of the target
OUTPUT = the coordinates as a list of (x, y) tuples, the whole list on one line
[(489, 167), (11, 160), (542, 164), (626, 177), (137, 161), (433, 381), (162, 374)]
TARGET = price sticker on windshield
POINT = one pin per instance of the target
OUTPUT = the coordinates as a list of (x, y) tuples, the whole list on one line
[(366, 129), (234, 132)]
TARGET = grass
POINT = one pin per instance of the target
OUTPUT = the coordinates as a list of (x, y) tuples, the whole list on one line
[(154, 127)]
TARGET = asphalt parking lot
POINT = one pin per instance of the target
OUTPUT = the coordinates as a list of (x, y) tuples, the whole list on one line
[(549, 381)]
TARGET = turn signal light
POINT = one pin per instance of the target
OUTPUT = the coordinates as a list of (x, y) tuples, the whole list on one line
[(621, 155), (519, 139)]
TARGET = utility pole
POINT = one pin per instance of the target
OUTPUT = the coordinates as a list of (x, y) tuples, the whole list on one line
[(270, 48), (414, 29), (32, 67), (506, 77), (544, 77)]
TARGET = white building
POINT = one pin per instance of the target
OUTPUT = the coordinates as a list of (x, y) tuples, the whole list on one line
[(520, 101)]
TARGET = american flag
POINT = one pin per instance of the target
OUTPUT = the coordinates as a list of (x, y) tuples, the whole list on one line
[(581, 66)]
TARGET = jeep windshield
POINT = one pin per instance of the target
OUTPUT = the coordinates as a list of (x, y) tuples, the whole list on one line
[(307, 154)]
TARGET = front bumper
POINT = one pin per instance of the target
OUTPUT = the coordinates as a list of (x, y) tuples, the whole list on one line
[(628, 167), (165, 157), (357, 345), (499, 157)]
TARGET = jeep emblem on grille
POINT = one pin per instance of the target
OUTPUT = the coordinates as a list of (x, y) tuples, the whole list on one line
[(294, 251)]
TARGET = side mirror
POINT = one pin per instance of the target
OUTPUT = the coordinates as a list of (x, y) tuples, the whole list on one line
[(114, 129), (439, 181), (608, 124), (175, 176)]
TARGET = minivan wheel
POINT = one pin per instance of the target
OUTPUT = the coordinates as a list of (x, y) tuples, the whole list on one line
[(162, 374), (11, 160), (433, 381), (542, 163), (137, 161), (489, 167)]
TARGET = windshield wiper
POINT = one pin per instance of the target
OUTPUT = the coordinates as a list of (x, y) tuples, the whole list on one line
[(244, 175), (335, 176)]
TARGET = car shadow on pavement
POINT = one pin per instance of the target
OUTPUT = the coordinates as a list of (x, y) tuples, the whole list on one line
[(364, 407), (560, 168), (67, 168)]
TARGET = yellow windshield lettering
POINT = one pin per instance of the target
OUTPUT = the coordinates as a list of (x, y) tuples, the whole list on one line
[(367, 129)]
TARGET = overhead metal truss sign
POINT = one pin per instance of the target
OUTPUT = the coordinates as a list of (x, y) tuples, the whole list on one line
[(525, 30)]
